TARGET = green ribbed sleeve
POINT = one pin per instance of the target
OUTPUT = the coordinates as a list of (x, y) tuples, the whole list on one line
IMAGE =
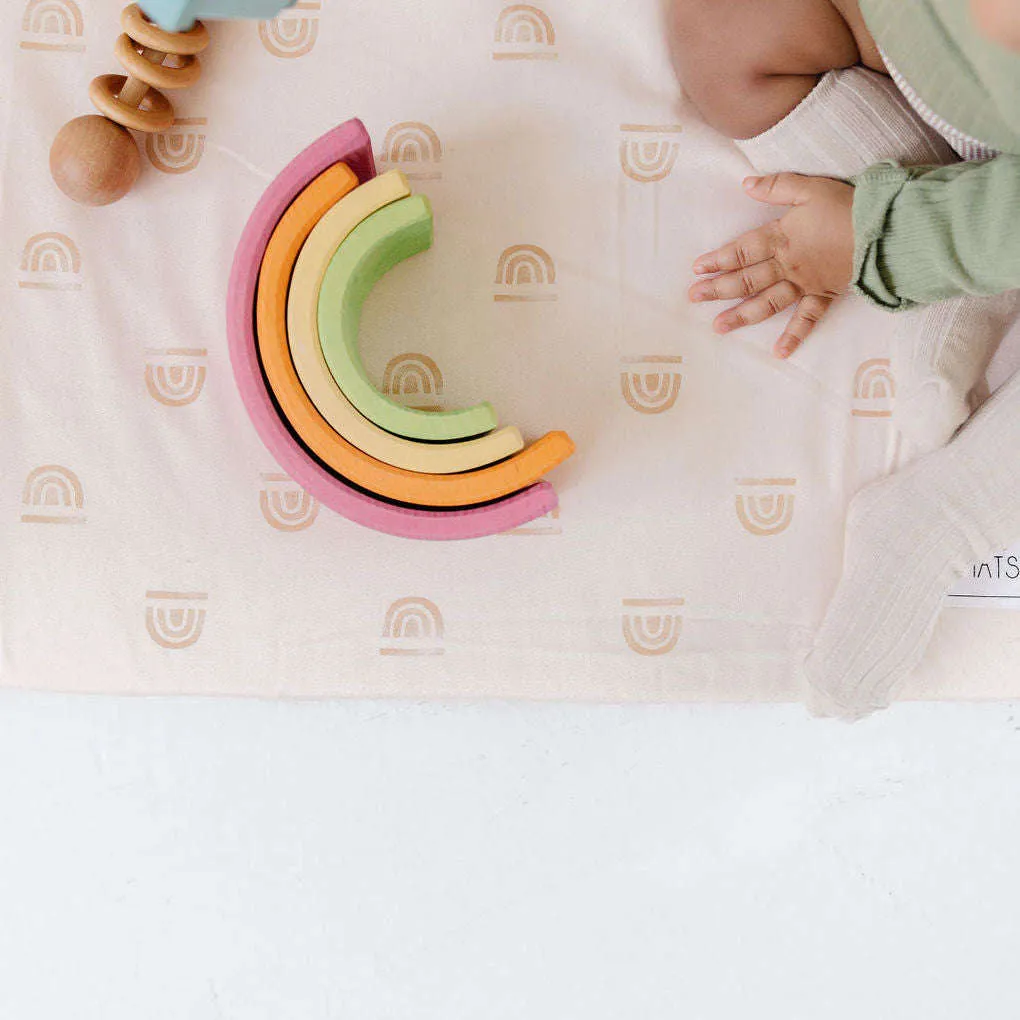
[(923, 234)]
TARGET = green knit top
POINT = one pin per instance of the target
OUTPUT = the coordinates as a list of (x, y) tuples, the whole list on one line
[(926, 233)]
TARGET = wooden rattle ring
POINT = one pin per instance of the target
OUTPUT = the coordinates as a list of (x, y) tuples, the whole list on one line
[(154, 114), (152, 37), (160, 76)]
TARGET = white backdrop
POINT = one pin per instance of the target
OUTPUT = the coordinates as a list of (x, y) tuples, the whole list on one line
[(225, 860), (269, 861)]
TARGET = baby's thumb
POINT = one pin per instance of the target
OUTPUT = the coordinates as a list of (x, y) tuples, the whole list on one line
[(776, 189)]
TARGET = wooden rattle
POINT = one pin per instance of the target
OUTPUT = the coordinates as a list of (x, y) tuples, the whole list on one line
[(94, 160)]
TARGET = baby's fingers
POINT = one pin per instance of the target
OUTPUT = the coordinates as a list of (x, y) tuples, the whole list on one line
[(769, 302), (748, 249), (744, 283), (808, 314)]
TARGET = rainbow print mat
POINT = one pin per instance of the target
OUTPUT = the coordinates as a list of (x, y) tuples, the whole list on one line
[(152, 544)]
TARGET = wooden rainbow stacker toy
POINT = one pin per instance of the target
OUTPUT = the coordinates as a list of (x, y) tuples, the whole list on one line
[(323, 234)]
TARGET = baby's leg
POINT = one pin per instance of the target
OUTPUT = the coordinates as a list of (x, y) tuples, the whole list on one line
[(911, 533), (898, 563), (745, 64), (908, 538), (783, 78)]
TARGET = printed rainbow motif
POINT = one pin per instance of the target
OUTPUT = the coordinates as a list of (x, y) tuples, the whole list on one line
[(323, 234)]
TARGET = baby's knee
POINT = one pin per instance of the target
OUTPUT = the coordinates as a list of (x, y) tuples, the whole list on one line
[(714, 68), (746, 63)]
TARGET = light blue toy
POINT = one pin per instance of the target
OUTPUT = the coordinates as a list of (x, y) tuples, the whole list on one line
[(180, 15)]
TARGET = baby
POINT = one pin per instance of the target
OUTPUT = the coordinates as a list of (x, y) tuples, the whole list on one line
[(901, 119), (747, 64)]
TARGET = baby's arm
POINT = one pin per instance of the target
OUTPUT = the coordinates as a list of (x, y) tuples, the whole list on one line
[(923, 234), (900, 237)]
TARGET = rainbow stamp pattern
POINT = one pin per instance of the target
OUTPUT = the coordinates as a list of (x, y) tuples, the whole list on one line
[(414, 148), (874, 389), (415, 380), (524, 32), (651, 384), (157, 542), (286, 506), (323, 234), (176, 376), (50, 261), (56, 26), (652, 627), (174, 620), (765, 505), (413, 627), (53, 495), (649, 152), (293, 32), (178, 150)]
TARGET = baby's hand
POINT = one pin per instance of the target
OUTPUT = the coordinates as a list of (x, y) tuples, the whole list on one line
[(803, 258)]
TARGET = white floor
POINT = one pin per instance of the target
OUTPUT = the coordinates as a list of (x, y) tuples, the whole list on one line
[(204, 861)]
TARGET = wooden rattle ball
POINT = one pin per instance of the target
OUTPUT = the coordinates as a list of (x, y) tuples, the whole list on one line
[(94, 161)]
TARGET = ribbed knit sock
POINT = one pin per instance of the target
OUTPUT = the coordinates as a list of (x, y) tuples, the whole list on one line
[(942, 353), (853, 119), (909, 537)]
